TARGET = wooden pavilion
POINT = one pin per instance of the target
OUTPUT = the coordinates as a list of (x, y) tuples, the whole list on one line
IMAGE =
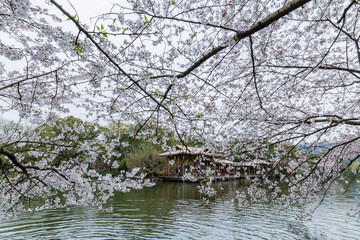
[(183, 158)]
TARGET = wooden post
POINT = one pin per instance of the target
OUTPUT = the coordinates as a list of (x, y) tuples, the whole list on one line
[(167, 171), (183, 171), (165, 166), (214, 168)]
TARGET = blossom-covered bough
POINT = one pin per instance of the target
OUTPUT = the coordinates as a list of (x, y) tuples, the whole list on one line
[(244, 76)]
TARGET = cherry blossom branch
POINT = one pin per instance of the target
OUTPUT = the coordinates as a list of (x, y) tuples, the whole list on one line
[(10, 182), (343, 16), (353, 38), (324, 156), (189, 21), (254, 74), (156, 109), (29, 78), (286, 9), (110, 59), (322, 67)]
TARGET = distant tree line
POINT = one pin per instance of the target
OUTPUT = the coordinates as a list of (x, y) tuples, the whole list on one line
[(131, 151)]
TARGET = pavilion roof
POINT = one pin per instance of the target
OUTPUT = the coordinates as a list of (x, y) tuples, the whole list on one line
[(196, 151), (223, 161), (218, 158), (253, 163)]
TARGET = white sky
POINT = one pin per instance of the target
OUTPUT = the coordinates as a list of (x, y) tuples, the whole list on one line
[(85, 9)]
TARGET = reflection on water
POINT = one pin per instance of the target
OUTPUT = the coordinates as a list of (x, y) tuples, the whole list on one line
[(174, 211)]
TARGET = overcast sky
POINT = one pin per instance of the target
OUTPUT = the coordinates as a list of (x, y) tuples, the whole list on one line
[(85, 9)]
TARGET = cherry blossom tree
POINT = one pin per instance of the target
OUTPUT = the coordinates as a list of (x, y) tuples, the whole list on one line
[(279, 73)]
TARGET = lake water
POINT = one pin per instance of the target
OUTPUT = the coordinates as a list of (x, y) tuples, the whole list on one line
[(175, 211)]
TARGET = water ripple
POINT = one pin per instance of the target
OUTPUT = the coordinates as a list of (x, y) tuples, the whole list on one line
[(175, 212)]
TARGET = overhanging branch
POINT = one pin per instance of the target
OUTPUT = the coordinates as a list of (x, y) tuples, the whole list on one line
[(286, 9)]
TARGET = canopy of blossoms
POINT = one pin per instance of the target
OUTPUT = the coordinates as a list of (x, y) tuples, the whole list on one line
[(241, 75)]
